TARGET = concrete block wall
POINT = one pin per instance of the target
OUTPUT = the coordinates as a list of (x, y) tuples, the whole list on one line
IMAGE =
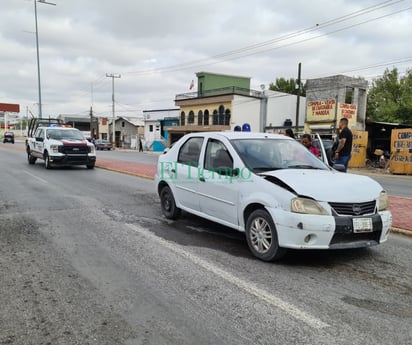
[(335, 87)]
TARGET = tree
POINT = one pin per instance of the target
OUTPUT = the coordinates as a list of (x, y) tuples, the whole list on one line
[(390, 98), (288, 86)]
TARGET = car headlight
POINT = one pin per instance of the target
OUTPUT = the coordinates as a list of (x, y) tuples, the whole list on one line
[(54, 148), (383, 201), (307, 206), (91, 149)]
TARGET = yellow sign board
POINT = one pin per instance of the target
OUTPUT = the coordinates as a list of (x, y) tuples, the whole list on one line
[(325, 111), (401, 151), (359, 143), (348, 111), (321, 111)]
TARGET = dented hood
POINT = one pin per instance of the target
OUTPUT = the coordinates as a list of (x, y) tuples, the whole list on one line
[(325, 185)]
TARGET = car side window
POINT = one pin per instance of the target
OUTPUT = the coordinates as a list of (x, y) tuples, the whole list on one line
[(217, 156), (189, 153)]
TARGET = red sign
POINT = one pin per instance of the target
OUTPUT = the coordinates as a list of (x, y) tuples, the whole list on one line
[(9, 126), (10, 108)]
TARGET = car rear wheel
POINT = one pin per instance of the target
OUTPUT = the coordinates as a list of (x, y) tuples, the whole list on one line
[(168, 204), (261, 236), (47, 164)]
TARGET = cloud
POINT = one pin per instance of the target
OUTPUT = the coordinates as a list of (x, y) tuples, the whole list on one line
[(82, 41)]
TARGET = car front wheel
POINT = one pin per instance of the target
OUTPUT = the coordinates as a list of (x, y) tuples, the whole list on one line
[(262, 237), (168, 204), (47, 164)]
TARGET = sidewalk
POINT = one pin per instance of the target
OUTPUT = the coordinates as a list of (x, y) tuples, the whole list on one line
[(137, 169), (400, 207)]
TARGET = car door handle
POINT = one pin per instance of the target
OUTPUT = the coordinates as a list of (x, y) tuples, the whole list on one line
[(202, 179)]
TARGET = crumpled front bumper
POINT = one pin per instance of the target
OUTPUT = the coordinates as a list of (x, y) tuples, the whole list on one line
[(305, 231)]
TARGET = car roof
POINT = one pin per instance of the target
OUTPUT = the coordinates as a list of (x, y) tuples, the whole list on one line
[(243, 135), (58, 127)]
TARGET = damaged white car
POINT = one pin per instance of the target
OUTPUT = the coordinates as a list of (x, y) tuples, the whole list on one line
[(272, 188)]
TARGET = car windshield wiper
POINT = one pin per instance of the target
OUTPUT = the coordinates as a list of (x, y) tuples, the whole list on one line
[(262, 169), (303, 166)]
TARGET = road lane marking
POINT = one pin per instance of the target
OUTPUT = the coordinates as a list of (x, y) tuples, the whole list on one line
[(34, 176), (248, 287)]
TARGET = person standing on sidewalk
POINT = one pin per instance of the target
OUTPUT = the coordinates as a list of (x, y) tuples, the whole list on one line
[(344, 149)]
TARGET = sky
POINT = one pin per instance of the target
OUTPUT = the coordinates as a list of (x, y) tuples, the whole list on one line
[(158, 46)]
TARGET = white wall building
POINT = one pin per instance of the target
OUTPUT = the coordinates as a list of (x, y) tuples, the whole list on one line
[(154, 121), (280, 108)]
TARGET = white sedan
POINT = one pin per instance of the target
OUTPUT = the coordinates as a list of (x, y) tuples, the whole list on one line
[(272, 188)]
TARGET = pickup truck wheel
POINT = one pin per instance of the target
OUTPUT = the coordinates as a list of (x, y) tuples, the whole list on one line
[(47, 164), (90, 166), (31, 159), (261, 236)]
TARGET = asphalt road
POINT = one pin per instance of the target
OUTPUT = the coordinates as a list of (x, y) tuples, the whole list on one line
[(397, 185), (87, 258)]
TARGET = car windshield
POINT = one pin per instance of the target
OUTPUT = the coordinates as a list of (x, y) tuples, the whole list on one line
[(265, 154), (68, 134)]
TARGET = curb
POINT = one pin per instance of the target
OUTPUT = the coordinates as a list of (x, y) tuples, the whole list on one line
[(402, 231), (148, 177), (370, 173)]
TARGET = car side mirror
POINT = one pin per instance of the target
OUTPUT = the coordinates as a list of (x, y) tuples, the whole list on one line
[(339, 167)]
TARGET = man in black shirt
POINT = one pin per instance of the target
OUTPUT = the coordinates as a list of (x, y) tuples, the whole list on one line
[(344, 149)]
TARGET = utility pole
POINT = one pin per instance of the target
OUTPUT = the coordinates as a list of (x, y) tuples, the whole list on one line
[(263, 109), (91, 123), (111, 75), (37, 49), (298, 99)]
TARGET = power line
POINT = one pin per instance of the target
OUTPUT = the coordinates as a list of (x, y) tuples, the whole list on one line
[(204, 62), (251, 50)]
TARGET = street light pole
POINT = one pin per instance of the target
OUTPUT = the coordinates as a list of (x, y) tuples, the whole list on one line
[(37, 49), (298, 98), (113, 112)]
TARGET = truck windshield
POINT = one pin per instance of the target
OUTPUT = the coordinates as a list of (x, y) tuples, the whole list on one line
[(68, 134)]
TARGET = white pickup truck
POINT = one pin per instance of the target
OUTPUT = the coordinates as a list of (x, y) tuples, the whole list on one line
[(58, 145)]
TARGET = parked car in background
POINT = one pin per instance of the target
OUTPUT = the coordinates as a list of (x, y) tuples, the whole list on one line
[(8, 137), (328, 147), (102, 144), (273, 189)]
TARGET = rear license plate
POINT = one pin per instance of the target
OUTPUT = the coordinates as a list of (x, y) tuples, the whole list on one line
[(362, 225)]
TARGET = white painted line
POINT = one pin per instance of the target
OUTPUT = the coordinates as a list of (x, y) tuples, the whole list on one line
[(248, 287), (34, 176)]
